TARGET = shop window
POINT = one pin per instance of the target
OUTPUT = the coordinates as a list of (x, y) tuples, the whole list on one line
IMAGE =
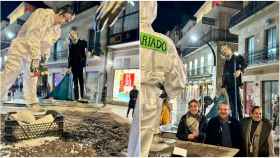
[(250, 97), (270, 93)]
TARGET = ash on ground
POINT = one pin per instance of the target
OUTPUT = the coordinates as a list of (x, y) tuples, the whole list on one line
[(85, 134)]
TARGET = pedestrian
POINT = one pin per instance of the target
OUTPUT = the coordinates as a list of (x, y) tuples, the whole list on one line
[(21, 86), (257, 139), (224, 130), (193, 124), (77, 61), (275, 114), (34, 41), (133, 94), (234, 66), (13, 89), (165, 117)]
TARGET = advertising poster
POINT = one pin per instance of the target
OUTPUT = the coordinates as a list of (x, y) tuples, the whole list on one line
[(124, 80)]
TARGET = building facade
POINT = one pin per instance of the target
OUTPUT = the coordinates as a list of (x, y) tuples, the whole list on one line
[(200, 46), (257, 27), (58, 61), (123, 56)]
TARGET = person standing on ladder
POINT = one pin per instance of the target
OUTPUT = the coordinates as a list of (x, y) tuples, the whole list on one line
[(234, 66), (77, 61)]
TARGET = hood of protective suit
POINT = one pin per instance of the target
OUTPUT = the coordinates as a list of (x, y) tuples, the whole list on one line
[(148, 11)]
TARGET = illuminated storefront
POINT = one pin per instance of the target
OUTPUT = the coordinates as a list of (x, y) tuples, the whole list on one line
[(124, 80)]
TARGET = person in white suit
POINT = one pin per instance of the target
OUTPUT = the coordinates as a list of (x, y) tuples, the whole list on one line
[(160, 66), (32, 43)]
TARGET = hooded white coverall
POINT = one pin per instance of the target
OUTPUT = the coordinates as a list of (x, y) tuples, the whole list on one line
[(134, 134), (34, 41), (160, 63)]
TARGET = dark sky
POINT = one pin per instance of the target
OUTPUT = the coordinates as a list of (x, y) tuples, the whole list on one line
[(171, 13), (8, 6)]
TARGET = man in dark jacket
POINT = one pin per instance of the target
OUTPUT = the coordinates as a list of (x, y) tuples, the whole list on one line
[(232, 71), (224, 130), (132, 100), (77, 61), (185, 129)]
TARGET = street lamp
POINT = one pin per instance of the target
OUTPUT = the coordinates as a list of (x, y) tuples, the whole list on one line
[(10, 35), (193, 38)]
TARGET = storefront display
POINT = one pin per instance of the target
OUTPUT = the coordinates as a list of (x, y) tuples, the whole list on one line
[(269, 96), (124, 80), (92, 86)]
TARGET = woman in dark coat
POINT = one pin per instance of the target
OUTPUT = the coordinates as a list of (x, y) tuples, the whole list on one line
[(192, 126)]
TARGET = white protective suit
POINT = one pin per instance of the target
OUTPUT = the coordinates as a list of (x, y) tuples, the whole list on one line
[(160, 63), (34, 41), (134, 134)]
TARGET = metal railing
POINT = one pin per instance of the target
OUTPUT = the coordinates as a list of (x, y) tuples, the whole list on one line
[(212, 35), (219, 35), (250, 9), (201, 71), (264, 56), (59, 55)]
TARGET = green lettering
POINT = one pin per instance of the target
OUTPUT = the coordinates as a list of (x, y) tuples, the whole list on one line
[(153, 42)]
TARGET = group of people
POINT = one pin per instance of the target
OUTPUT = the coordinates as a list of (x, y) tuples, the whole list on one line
[(251, 135)]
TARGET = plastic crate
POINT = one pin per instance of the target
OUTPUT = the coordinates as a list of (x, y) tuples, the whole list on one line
[(13, 131)]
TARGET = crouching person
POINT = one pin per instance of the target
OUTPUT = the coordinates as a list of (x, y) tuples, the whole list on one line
[(257, 135), (192, 126)]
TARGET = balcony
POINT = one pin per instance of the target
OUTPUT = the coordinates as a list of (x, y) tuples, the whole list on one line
[(205, 71), (265, 56), (252, 8), (212, 35), (219, 35)]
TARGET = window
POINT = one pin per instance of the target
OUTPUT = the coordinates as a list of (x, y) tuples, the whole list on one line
[(210, 62), (61, 49), (132, 8), (250, 97), (195, 66), (202, 64), (271, 42), (117, 27), (269, 97), (131, 22), (128, 19), (250, 49), (190, 67)]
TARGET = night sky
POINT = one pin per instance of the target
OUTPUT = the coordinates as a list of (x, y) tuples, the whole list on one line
[(171, 13), (8, 6)]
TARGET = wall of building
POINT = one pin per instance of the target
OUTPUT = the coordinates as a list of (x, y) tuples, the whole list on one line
[(256, 26), (124, 58)]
